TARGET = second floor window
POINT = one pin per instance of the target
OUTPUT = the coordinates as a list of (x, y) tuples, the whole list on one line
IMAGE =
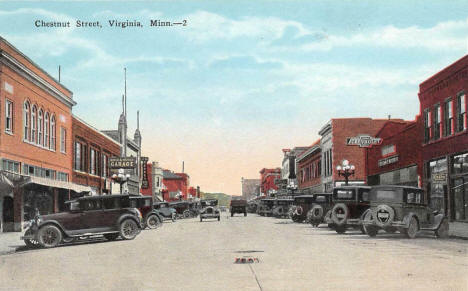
[(437, 121), (448, 117), (427, 125), (461, 112), (26, 122), (388, 149), (92, 162), (46, 130), (77, 157), (104, 165), (33, 124), (40, 128), (63, 140), (8, 116), (52, 133)]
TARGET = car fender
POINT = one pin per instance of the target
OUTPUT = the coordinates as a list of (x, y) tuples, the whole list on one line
[(438, 220), (407, 218), (128, 216), (363, 215)]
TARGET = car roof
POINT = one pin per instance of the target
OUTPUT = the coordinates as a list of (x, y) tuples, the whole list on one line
[(96, 197), (396, 186), (353, 187)]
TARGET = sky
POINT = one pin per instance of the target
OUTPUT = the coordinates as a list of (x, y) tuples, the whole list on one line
[(242, 79)]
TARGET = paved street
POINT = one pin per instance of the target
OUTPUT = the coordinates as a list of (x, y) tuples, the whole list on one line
[(189, 255)]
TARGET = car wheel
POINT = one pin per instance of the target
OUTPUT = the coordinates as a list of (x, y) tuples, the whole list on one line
[(413, 228), (153, 222), (219, 218), (362, 229), (49, 236), (245, 213), (186, 214), (111, 236), (128, 229), (331, 225), (371, 230), (443, 230), (340, 229), (232, 214), (201, 219)]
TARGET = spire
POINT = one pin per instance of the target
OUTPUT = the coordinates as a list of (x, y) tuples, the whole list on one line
[(137, 135)]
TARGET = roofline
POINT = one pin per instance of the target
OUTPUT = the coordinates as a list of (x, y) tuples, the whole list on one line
[(34, 64), (96, 130), (439, 73)]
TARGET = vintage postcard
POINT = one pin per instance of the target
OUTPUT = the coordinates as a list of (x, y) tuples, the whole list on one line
[(233, 145)]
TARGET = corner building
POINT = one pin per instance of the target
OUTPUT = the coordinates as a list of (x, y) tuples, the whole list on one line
[(35, 140), (445, 139)]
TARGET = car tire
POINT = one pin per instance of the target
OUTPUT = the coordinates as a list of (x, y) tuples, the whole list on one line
[(49, 236), (362, 229), (111, 236), (186, 214), (413, 228), (245, 213), (443, 229), (153, 222), (129, 229), (201, 219), (340, 229), (337, 220), (371, 230), (219, 218), (232, 214)]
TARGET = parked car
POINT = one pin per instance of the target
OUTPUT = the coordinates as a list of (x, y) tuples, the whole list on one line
[(302, 205), (165, 210), (111, 216), (151, 218), (321, 205), (265, 206), (238, 206), (185, 209), (209, 209), (281, 207), (350, 204), (403, 209)]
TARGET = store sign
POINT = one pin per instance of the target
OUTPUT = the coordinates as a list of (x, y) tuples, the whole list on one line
[(281, 182), (439, 177), (122, 163), (144, 173), (363, 141), (388, 161)]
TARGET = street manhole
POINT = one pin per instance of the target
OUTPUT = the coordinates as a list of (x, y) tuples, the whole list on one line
[(246, 260)]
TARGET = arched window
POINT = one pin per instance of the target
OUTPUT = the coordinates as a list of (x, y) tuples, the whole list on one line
[(33, 124), (26, 121), (52, 133), (40, 128), (46, 130)]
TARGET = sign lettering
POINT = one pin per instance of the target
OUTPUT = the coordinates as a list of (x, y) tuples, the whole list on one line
[(144, 173), (363, 141), (122, 163)]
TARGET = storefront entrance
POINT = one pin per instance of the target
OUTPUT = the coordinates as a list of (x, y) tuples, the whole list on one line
[(7, 214)]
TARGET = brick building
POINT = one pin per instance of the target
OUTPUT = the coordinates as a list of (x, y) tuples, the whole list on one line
[(309, 170), (91, 152), (175, 186), (398, 159), (445, 139), (345, 139), (288, 169), (35, 140), (267, 180), (250, 188)]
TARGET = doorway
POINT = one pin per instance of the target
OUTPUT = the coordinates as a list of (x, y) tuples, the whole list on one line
[(8, 214)]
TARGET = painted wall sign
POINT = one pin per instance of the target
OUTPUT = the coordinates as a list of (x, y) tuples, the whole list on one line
[(144, 173), (387, 161), (363, 141), (122, 163)]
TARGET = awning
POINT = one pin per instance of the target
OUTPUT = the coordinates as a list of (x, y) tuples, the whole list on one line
[(55, 184), (9, 180)]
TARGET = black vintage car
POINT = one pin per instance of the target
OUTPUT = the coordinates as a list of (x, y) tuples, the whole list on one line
[(238, 206), (321, 205), (111, 216), (281, 207), (151, 217), (302, 205), (185, 209), (209, 209), (350, 205), (165, 210), (265, 206), (403, 209)]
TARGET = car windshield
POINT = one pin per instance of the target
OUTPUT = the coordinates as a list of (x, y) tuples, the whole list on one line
[(343, 194), (74, 206), (209, 203), (387, 195)]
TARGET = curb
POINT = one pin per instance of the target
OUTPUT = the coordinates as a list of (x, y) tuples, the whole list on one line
[(458, 237)]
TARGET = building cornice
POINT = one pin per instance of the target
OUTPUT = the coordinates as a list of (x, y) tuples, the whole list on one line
[(22, 70), (324, 130), (306, 154), (96, 130)]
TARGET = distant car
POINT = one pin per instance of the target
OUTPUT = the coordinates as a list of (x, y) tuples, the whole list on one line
[(281, 207), (301, 206), (111, 216), (403, 209), (223, 208), (321, 205), (165, 210), (265, 206), (151, 217), (209, 209), (350, 205), (238, 206)]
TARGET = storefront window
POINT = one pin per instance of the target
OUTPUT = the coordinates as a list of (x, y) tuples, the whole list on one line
[(437, 166), (460, 164), (460, 199)]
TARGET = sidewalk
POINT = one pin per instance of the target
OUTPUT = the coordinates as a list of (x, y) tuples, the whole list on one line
[(458, 230), (9, 241)]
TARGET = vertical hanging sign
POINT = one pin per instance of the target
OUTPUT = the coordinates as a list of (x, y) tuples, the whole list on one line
[(144, 173)]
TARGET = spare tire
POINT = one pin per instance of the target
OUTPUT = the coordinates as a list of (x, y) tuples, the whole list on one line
[(299, 210), (340, 213), (383, 215), (316, 213)]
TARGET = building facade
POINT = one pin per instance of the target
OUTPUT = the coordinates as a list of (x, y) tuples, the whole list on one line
[(289, 166), (398, 159), (267, 180), (91, 153), (346, 139), (445, 140), (250, 188), (309, 170), (175, 186), (35, 140)]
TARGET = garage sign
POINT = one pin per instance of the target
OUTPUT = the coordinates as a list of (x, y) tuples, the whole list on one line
[(363, 141)]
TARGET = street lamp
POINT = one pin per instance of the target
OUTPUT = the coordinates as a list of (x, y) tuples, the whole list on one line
[(345, 170), (121, 178)]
